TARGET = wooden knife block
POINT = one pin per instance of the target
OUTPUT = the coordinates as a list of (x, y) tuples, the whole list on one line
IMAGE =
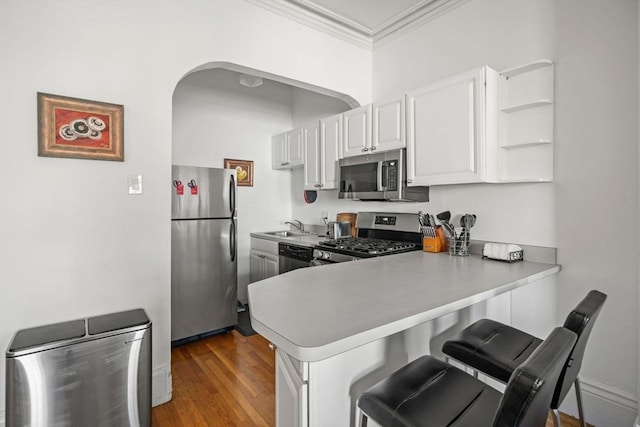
[(435, 244)]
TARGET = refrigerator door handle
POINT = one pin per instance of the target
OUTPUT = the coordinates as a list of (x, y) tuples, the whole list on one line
[(232, 240), (232, 195)]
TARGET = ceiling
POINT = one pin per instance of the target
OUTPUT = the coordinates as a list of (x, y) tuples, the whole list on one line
[(363, 22)]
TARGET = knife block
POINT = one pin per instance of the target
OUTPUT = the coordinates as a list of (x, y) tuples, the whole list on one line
[(435, 244)]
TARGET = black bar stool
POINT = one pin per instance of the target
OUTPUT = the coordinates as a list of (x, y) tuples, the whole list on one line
[(497, 349), (431, 393)]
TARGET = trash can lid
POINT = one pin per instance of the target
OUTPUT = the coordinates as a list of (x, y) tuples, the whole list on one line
[(40, 335), (114, 321)]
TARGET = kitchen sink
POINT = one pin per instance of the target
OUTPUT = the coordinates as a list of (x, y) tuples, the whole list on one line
[(287, 233)]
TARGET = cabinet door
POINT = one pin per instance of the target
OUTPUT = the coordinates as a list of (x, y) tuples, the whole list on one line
[(291, 394), (388, 124), (271, 265), (279, 151), (330, 143), (296, 147), (445, 143), (256, 266), (311, 157), (356, 126)]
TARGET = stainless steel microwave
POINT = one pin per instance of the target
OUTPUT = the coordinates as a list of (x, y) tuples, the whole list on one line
[(380, 176)]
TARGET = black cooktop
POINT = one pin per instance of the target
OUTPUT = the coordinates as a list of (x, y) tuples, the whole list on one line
[(366, 247)]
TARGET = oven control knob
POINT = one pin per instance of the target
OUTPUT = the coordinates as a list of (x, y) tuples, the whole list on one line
[(326, 255), (318, 254)]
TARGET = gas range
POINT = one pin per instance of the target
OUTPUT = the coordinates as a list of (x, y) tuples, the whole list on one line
[(379, 234)]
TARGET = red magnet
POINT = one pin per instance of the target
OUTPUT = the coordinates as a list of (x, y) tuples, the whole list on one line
[(193, 186), (179, 187)]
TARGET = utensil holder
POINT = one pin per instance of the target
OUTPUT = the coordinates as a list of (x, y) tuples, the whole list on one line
[(459, 243)]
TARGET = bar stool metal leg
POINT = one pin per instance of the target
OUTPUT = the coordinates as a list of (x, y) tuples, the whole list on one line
[(556, 418), (576, 384), (363, 420)]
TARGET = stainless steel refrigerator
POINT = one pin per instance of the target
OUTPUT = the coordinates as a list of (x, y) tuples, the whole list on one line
[(204, 290)]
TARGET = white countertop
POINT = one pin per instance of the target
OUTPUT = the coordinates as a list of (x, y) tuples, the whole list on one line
[(315, 313), (310, 239)]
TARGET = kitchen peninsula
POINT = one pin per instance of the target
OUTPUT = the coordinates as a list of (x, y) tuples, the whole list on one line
[(340, 328)]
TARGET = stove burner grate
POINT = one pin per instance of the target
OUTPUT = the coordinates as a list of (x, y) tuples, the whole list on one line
[(363, 245)]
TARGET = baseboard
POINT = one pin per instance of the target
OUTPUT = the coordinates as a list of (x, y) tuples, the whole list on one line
[(161, 386), (604, 405)]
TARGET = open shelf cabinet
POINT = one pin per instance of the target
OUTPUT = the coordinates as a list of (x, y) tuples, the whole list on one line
[(525, 123)]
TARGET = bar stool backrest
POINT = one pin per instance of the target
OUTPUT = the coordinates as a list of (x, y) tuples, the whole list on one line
[(527, 397), (580, 321)]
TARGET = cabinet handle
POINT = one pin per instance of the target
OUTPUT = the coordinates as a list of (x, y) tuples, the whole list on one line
[(409, 181), (317, 185), (373, 148), (365, 149), (272, 346)]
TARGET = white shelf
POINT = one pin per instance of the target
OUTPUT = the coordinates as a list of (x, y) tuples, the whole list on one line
[(533, 104), (521, 144), (526, 68)]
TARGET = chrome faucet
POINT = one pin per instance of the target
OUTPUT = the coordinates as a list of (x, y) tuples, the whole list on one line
[(297, 224)]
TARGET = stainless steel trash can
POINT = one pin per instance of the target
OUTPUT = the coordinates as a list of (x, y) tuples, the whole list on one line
[(87, 372)]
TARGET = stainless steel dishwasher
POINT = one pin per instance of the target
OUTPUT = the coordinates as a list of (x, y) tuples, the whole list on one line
[(291, 257), (85, 372)]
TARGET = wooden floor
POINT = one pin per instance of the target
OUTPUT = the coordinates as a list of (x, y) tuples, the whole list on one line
[(228, 380)]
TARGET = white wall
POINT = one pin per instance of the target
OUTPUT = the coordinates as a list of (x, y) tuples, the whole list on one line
[(594, 44), (72, 242)]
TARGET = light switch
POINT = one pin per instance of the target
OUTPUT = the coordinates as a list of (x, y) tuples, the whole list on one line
[(134, 183)]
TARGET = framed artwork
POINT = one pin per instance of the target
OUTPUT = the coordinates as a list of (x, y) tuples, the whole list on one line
[(244, 171), (79, 128)]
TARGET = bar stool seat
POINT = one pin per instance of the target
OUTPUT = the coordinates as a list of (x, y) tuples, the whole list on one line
[(497, 349), (431, 393), (492, 347)]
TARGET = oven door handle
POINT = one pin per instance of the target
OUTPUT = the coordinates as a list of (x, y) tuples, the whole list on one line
[(381, 181)]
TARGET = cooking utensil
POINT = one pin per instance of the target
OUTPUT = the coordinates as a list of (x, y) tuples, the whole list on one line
[(444, 218)]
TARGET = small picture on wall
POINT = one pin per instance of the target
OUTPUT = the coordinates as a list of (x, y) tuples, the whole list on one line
[(79, 128), (244, 170)]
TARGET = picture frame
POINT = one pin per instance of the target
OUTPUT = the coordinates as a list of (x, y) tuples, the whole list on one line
[(80, 128), (244, 170)]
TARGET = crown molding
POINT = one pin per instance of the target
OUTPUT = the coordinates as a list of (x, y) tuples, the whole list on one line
[(314, 16), (303, 16)]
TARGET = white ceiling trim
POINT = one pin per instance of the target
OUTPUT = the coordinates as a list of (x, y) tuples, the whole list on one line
[(312, 15), (288, 10)]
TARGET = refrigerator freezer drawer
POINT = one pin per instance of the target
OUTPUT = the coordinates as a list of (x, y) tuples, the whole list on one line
[(101, 379)]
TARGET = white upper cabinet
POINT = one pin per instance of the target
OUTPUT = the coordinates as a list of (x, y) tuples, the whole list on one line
[(330, 146), (356, 131), (279, 156), (312, 152), (450, 126), (389, 124), (287, 149), (322, 151)]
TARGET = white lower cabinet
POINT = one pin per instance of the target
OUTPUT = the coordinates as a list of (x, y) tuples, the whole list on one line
[(292, 394), (263, 259)]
